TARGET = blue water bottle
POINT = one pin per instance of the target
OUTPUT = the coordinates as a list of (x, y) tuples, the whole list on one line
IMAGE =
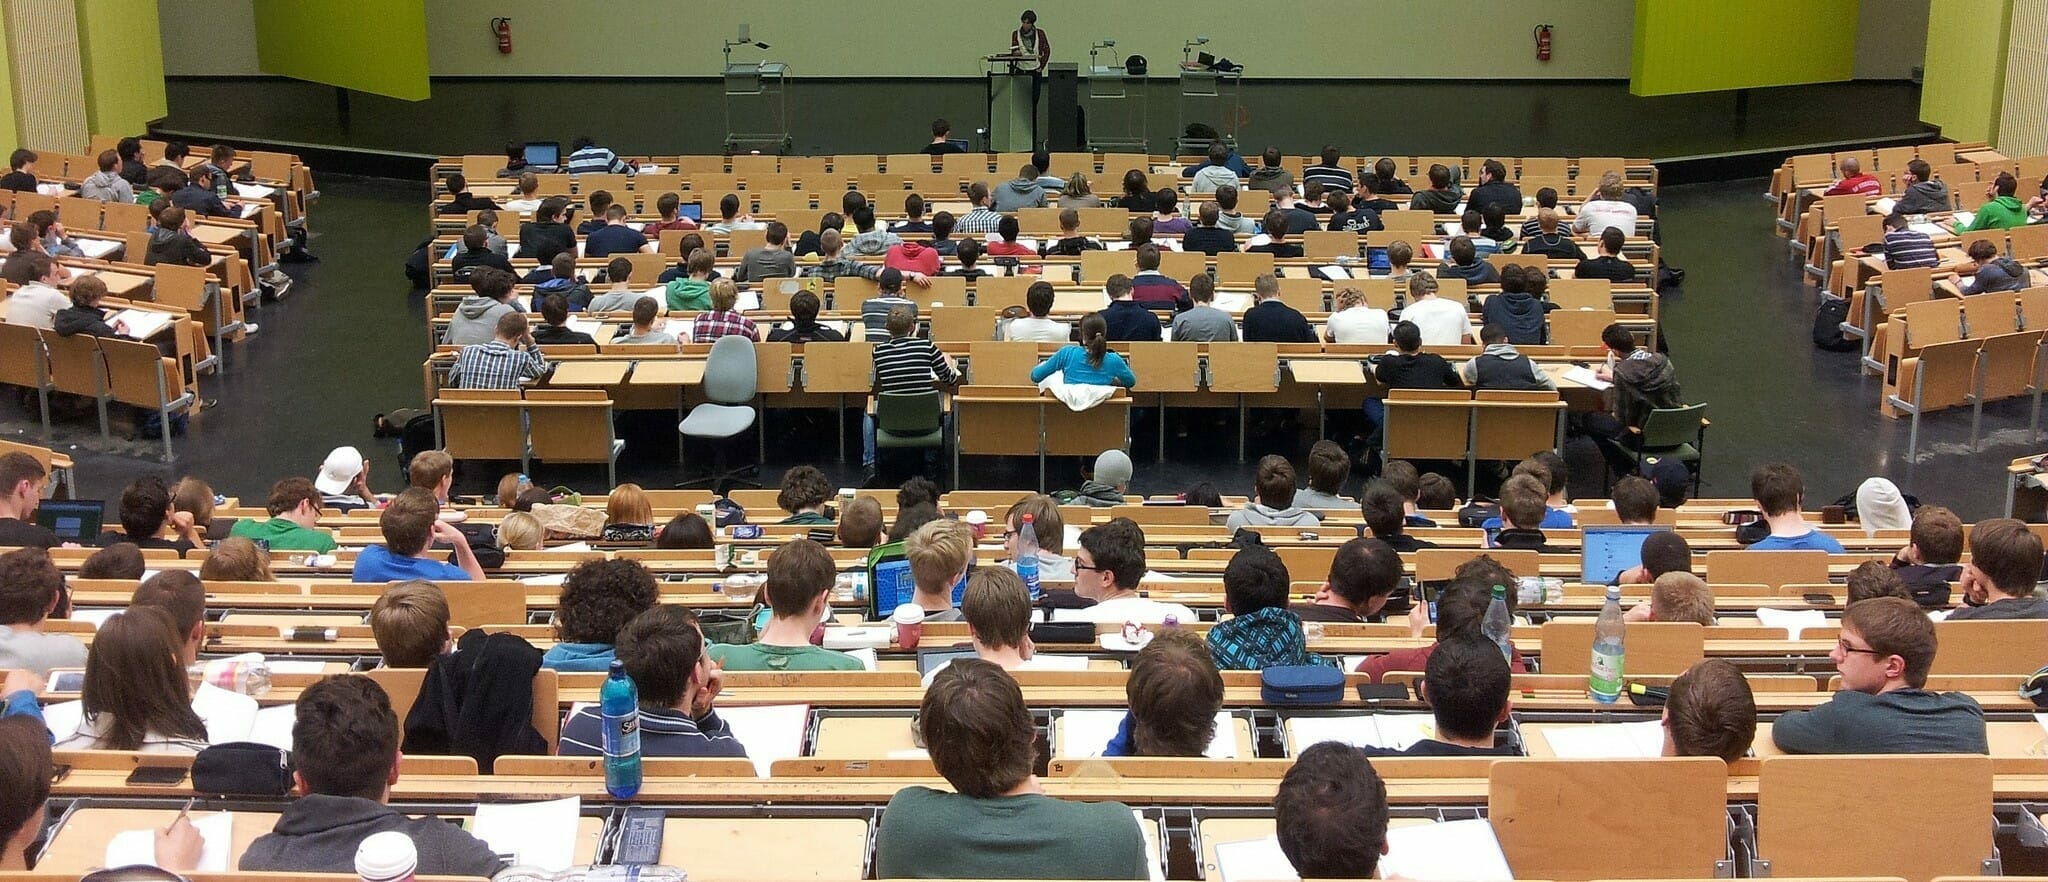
[(619, 703), (1027, 554)]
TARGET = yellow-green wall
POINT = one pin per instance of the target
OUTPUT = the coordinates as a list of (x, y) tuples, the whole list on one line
[(1965, 79), (1710, 45), (121, 57), (377, 46), (9, 134)]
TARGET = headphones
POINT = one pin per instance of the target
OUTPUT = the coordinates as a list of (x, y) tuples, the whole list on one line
[(2035, 688)]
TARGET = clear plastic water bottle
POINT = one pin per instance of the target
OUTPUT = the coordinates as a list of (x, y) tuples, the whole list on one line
[(1027, 554), (1497, 624), (244, 675), (619, 703), (1608, 654)]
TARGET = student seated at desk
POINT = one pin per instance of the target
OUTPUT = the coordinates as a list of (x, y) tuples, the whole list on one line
[(476, 317), (1107, 570), (647, 327), (997, 609), (1676, 597), (409, 621), (998, 823), (1363, 574), (663, 650), (1663, 552), (1886, 648), (803, 326), (799, 592), (1381, 504), (598, 598), (409, 523), (345, 761), (172, 242), (587, 158), (1522, 512), (181, 597), (1261, 632), (685, 530), (1272, 503), (1710, 712), (21, 171), (1998, 581), (121, 560), (690, 291), (1128, 320), (1922, 194), (1905, 247), (1038, 300), (1931, 559), (476, 252), (620, 297), (1609, 209), (1872, 579), (803, 494), (1460, 608), (1549, 470), (1466, 683), (136, 694), (1330, 814), (36, 302), (1088, 363), (1462, 261), (940, 553), (460, 200), (1328, 467), (509, 360), (1994, 271), (30, 590), (26, 771), (198, 196), (1779, 492), (548, 234), (1277, 227), (2003, 211), (613, 236), (554, 329), (146, 514), (1174, 690), (1105, 483)]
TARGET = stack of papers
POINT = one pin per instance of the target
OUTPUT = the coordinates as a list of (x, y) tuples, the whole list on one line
[(254, 191), (98, 248), (1392, 731), (142, 323), (1965, 218), (537, 834), (1334, 272), (132, 847), (1641, 740), (770, 732), (1087, 732)]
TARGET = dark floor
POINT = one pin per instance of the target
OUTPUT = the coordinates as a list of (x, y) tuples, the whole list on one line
[(1579, 118), (348, 343)]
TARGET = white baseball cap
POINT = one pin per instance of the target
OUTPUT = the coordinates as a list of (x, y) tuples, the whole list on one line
[(339, 471)]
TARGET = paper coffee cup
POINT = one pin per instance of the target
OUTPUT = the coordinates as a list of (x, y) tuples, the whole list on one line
[(909, 619)]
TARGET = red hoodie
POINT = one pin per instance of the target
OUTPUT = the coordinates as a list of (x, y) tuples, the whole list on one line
[(913, 257), (1865, 185)]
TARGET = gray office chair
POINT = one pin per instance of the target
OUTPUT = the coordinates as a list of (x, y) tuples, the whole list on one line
[(729, 388)]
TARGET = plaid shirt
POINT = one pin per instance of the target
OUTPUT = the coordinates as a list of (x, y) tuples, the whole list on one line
[(980, 220), (1255, 641), (495, 365), (710, 326)]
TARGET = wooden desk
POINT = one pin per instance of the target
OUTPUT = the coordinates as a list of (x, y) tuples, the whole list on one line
[(216, 234), (745, 849), (864, 737), (79, 845), (1325, 372), (1000, 421), (1215, 831), (668, 372), (590, 373)]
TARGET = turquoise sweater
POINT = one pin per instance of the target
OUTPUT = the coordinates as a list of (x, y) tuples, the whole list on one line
[(1073, 360)]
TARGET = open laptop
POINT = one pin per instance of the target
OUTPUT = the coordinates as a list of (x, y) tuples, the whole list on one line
[(960, 145), (890, 583), (73, 520), (1607, 550), (544, 154), (691, 210)]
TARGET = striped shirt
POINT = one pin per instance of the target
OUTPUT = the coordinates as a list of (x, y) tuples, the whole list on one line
[(495, 365), (663, 732), (1333, 178), (595, 160), (874, 315), (1906, 249), (980, 220), (910, 364)]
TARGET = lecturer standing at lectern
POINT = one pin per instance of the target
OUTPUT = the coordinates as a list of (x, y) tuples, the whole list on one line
[(1030, 43)]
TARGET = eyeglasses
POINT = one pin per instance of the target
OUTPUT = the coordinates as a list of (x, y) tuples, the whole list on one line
[(1081, 566), (1844, 646)]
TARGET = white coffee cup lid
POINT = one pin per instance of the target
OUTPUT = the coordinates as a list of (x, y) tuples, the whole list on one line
[(386, 856), (976, 517), (908, 614)]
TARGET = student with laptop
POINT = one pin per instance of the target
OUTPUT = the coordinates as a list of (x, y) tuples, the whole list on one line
[(22, 480)]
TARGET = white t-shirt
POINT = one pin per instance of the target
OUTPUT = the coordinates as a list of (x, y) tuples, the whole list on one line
[(1359, 324), (35, 305), (1442, 322), (1126, 609), (1599, 214), (1039, 330)]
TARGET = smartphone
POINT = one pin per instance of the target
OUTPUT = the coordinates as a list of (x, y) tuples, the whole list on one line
[(72, 680), (156, 776)]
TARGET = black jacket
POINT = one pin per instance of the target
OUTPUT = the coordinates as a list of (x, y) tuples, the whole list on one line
[(465, 262), (1499, 193), (557, 335), (1208, 240), (1423, 370), (319, 834), (177, 248), (478, 702), (73, 320), (1272, 321), (542, 241)]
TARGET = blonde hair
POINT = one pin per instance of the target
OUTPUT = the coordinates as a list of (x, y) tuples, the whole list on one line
[(1682, 597), (521, 531), (628, 504), (236, 559), (1346, 298), (1610, 187), (938, 551), (195, 496), (724, 295)]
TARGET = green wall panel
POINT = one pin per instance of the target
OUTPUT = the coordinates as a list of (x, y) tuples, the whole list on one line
[(122, 60), (1965, 79), (1711, 45), (376, 46)]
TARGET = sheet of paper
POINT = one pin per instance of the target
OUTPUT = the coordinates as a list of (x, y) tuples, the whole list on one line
[(1585, 377), (230, 717), (511, 250), (541, 834), (1155, 868), (749, 300), (250, 209), (1794, 621), (291, 666), (1929, 230), (1087, 733), (63, 718), (2042, 720), (1396, 731), (132, 847), (142, 323), (553, 579), (1333, 272), (253, 191), (866, 654), (583, 325), (273, 726), (770, 732), (98, 248), (1965, 218), (1884, 206), (1639, 740), (1116, 246), (1465, 851), (1454, 228), (1057, 663), (1254, 859)]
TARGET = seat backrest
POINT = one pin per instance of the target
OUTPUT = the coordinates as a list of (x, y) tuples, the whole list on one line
[(730, 372), (1773, 568), (1578, 327), (138, 373), (1098, 266), (1576, 294), (908, 413), (837, 368), (564, 429), (1542, 808), (481, 423), (1241, 268), (1653, 647), (2009, 364), (180, 286), (1512, 424), (74, 364), (1001, 363), (959, 324), (1989, 646), (1670, 427), (1933, 321), (22, 360), (1903, 286), (1244, 367), (1165, 367), (475, 604), (1328, 244), (1801, 816), (1440, 564)]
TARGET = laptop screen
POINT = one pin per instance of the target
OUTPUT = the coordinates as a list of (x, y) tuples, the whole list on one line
[(544, 153), (73, 520), (960, 144), (890, 583), (1608, 550), (691, 210)]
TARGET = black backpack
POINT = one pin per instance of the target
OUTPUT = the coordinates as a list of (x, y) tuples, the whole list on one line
[(1827, 325)]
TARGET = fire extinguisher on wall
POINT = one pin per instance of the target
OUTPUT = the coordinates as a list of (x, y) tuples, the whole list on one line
[(1542, 42), (502, 28)]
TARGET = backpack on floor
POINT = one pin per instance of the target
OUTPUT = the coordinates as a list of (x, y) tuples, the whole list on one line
[(417, 436), (1827, 325)]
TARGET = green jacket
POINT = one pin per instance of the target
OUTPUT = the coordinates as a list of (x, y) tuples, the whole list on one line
[(689, 295), (760, 657), (2002, 213), (283, 535)]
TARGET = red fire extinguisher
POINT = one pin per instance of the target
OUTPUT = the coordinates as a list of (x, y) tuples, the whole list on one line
[(502, 27), (1542, 43)]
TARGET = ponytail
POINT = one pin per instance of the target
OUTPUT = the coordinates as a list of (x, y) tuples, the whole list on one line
[(1095, 338)]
